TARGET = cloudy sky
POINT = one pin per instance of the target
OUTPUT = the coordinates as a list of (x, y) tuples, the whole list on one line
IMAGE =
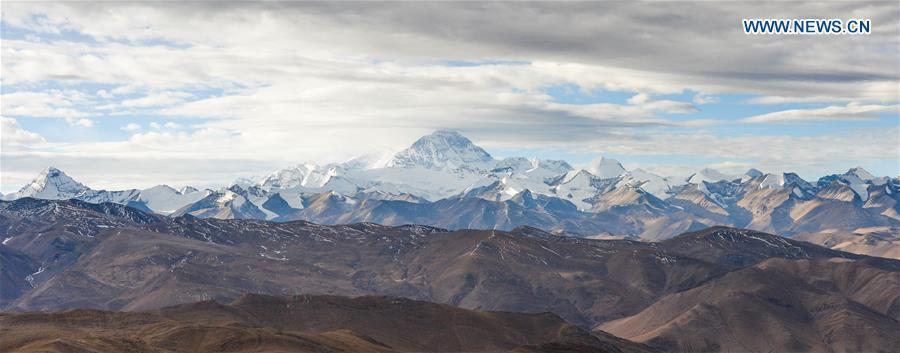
[(133, 94)]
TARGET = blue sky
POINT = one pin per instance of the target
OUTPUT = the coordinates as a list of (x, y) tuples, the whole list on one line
[(168, 97)]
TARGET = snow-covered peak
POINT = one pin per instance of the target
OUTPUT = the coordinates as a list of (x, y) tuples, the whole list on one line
[(722, 192), (515, 165), (710, 175), (606, 168), (441, 150), (555, 165), (861, 173), (577, 186), (865, 176), (247, 181), (307, 175), (654, 184), (859, 179), (774, 181), (499, 190), (536, 166), (164, 199), (187, 190), (753, 173), (230, 196), (222, 204), (51, 184), (790, 181), (581, 177), (160, 189)]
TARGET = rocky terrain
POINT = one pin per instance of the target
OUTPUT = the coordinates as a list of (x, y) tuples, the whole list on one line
[(72, 254)]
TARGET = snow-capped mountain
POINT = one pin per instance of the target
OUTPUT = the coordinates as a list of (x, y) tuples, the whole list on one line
[(301, 176), (51, 184), (857, 179), (54, 184), (661, 187), (224, 204), (496, 191), (790, 181), (531, 166), (579, 186), (442, 150), (444, 179), (711, 175), (164, 199)]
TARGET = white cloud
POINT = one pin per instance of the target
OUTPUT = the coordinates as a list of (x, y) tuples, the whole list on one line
[(639, 98), (131, 127), (705, 99), (811, 156), (643, 100), (285, 39), (13, 134), (47, 104), (670, 106), (285, 82), (81, 122), (157, 99), (851, 111), (105, 94)]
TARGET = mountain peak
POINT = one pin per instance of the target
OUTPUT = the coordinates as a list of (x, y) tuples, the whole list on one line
[(448, 133), (497, 191), (187, 189), (861, 173), (606, 168), (302, 175), (443, 149), (51, 184), (710, 175), (754, 173)]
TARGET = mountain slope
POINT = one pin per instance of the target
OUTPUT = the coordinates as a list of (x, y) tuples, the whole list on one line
[(15, 269), (256, 323), (776, 305), (872, 241)]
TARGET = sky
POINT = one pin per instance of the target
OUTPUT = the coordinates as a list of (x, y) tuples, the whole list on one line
[(134, 94)]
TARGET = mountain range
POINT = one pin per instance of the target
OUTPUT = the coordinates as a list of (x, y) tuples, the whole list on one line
[(719, 289), (445, 180)]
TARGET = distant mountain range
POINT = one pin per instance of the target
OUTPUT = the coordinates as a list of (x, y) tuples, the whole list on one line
[(720, 289), (445, 180)]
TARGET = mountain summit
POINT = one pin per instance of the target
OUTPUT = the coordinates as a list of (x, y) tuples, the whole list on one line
[(443, 149), (606, 168), (51, 184)]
